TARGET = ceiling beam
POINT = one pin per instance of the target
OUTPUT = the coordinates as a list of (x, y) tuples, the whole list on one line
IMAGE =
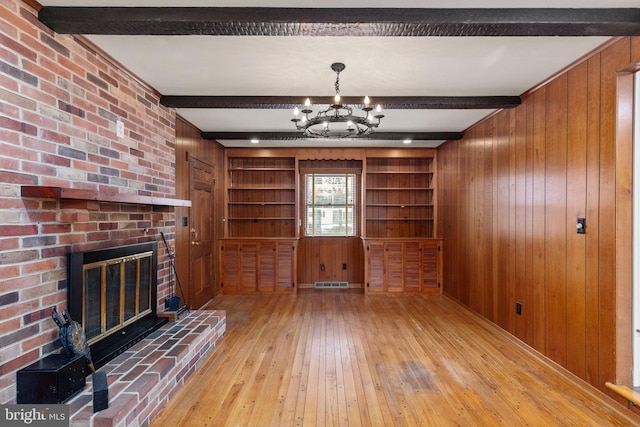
[(388, 102), (296, 136), (409, 22)]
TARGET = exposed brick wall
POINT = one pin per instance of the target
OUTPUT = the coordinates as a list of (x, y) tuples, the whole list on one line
[(59, 103)]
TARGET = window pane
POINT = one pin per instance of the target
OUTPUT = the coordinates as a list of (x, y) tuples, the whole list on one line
[(330, 204)]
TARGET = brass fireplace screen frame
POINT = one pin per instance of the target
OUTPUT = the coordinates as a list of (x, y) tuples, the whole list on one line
[(124, 294)]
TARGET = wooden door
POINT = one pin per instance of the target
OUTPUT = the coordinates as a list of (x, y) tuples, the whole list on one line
[(201, 283)]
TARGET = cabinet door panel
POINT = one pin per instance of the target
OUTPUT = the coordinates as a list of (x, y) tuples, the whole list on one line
[(375, 262), (285, 267), (393, 262), (411, 258), (430, 261), (248, 265), (267, 267), (230, 267)]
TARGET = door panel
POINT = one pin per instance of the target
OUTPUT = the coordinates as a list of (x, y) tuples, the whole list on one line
[(201, 285)]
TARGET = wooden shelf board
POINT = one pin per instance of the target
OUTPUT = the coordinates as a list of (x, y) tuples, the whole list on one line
[(262, 188), (399, 172), (399, 219), (399, 188), (260, 169), (262, 203), (279, 218), (45, 192), (398, 205)]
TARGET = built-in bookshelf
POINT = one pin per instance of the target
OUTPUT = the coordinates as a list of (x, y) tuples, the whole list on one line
[(399, 199), (261, 199)]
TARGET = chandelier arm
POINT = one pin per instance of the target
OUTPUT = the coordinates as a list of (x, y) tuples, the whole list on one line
[(319, 126)]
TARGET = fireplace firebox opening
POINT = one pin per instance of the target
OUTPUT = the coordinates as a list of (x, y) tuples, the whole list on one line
[(113, 294)]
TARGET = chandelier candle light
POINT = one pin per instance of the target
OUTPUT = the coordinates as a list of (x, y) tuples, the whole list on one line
[(350, 125)]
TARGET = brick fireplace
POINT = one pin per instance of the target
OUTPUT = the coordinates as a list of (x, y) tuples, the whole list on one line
[(68, 183), (144, 377)]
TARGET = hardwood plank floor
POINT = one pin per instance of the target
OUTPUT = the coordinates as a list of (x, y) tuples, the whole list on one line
[(340, 358)]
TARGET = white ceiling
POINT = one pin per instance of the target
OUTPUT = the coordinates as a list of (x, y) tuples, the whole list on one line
[(375, 66)]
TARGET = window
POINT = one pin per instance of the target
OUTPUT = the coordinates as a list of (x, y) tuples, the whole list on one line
[(330, 204)]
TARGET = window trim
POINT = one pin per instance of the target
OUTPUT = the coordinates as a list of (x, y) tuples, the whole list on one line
[(355, 206)]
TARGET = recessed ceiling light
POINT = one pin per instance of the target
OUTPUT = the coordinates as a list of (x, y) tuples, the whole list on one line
[(406, 141), (255, 141)]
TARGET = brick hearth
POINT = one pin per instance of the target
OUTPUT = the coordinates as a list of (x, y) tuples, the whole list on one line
[(143, 378)]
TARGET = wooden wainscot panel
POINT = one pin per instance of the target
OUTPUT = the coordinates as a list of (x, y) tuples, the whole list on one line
[(342, 258)]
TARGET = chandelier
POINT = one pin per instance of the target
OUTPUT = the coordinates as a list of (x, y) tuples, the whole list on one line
[(337, 121)]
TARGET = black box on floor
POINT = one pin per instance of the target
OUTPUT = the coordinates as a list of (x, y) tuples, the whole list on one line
[(52, 379), (172, 304), (100, 391)]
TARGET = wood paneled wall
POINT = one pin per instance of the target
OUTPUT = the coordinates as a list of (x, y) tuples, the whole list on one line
[(189, 142), (332, 252), (509, 196)]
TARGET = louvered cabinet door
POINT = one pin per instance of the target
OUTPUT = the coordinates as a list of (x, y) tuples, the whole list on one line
[(393, 255), (230, 267), (267, 267), (248, 267), (412, 274), (431, 266), (286, 266), (375, 267)]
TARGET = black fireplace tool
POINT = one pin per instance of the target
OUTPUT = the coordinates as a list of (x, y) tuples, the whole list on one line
[(72, 336), (173, 302), (74, 341)]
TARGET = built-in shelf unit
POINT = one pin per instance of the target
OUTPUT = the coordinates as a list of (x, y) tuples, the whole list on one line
[(399, 197), (261, 197)]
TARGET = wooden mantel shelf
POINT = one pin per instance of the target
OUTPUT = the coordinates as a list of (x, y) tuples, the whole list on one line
[(78, 194)]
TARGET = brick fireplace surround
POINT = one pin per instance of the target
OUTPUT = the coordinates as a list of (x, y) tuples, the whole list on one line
[(60, 100), (143, 378)]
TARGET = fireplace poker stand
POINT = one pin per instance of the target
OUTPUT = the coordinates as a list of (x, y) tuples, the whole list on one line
[(173, 302)]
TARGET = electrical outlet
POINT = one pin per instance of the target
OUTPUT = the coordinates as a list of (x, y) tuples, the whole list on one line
[(344, 265), (519, 308), (120, 129), (321, 266)]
